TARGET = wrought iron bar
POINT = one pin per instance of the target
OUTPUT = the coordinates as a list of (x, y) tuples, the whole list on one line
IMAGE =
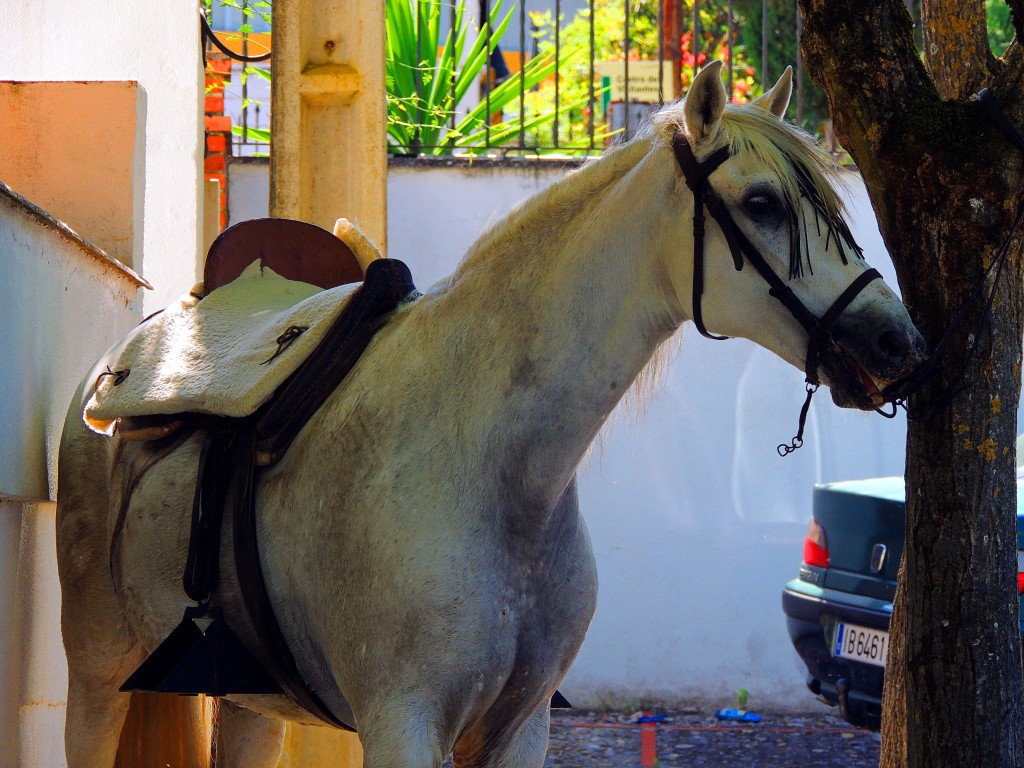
[(417, 78), (522, 74), (764, 41), (799, 70), (590, 98), (625, 72), (452, 77), (245, 76), (558, 52), (487, 73), (728, 48), (661, 51), (695, 40)]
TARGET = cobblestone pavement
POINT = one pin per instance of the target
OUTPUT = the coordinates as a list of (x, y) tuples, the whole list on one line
[(581, 739)]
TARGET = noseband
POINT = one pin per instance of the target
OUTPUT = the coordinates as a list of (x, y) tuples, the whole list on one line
[(818, 329)]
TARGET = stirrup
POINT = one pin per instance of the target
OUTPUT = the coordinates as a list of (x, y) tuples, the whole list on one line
[(201, 655)]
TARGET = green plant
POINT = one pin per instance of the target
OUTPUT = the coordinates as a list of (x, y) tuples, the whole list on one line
[(425, 82)]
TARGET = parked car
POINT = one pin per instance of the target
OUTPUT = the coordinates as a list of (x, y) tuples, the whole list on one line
[(838, 608)]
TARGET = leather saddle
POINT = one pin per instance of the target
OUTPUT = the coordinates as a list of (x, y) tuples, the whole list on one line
[(203, 655)]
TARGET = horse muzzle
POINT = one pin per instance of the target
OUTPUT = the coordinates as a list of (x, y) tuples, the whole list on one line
[(865, 375)]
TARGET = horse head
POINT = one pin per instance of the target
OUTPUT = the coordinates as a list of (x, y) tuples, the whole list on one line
[(779, 265)]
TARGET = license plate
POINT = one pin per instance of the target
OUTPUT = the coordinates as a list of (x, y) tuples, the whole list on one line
[(870, 646)]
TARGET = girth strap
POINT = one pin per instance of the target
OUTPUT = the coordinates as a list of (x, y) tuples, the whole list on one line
[(285, 668)]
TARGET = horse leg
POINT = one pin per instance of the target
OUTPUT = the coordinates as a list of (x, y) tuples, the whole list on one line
[(95, 715), (101, 648), (400, 742), (245, 738), (526, 747)]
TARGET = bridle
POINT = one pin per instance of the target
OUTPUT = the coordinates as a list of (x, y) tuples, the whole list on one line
[(818, 328), (899, 392)]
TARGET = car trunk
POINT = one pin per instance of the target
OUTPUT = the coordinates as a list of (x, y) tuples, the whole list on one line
[(863, 522)]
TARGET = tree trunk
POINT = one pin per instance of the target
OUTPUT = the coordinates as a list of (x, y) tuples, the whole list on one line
[(946, 186), (956, 46)]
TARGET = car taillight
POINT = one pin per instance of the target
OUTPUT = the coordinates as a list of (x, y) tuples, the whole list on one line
[(815, 545), (1020, 572)]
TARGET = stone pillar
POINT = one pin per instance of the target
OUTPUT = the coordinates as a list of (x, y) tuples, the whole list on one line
[(329, 157)]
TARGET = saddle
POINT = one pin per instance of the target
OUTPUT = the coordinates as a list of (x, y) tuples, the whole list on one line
[(296, 261)]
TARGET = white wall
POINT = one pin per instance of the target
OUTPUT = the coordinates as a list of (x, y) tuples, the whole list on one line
[(33, 672), (248, 190), (158, 46), (62, 303)]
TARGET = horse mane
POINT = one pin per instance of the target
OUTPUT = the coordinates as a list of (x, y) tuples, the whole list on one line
[(574, 190)]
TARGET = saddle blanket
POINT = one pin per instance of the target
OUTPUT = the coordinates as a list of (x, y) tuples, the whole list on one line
[(223, 355)]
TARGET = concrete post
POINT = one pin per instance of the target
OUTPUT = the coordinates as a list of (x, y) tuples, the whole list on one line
[(329, 156), (328, 159)]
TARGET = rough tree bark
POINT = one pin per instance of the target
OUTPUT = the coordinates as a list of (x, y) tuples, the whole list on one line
[(956, 46), (946, 186)]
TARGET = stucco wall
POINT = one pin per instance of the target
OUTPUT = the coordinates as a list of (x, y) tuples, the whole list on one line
[(62, 303), (82, 170), (159, 49)]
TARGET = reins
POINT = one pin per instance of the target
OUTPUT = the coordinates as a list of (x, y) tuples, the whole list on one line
[(818, 329)]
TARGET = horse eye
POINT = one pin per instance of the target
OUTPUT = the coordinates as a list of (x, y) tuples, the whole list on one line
[(761, 206)]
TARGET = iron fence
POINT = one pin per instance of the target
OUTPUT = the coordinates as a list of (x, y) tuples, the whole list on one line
[(570, 76), (536, 77)]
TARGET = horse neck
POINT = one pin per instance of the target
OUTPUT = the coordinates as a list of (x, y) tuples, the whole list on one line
[(562, 306)]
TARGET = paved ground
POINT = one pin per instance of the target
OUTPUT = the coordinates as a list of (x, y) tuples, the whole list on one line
[(582, 739)]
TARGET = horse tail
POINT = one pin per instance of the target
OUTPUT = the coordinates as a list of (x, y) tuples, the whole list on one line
[(162, 729)]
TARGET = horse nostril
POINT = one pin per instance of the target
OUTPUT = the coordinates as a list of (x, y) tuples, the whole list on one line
[(894, 345)]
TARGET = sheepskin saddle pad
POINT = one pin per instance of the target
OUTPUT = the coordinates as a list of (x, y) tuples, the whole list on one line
[(222, 355)]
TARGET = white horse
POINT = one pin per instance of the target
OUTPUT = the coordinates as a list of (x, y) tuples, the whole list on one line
[(421, 540)]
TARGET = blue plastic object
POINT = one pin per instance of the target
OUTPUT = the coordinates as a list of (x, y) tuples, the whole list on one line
[(738, 714), (651, 718)]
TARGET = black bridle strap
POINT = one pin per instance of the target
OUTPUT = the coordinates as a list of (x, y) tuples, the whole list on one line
[(696, 174)]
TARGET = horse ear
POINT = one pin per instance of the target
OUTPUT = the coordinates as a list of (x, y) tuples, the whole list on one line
[(705, 103), (776, 98)]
